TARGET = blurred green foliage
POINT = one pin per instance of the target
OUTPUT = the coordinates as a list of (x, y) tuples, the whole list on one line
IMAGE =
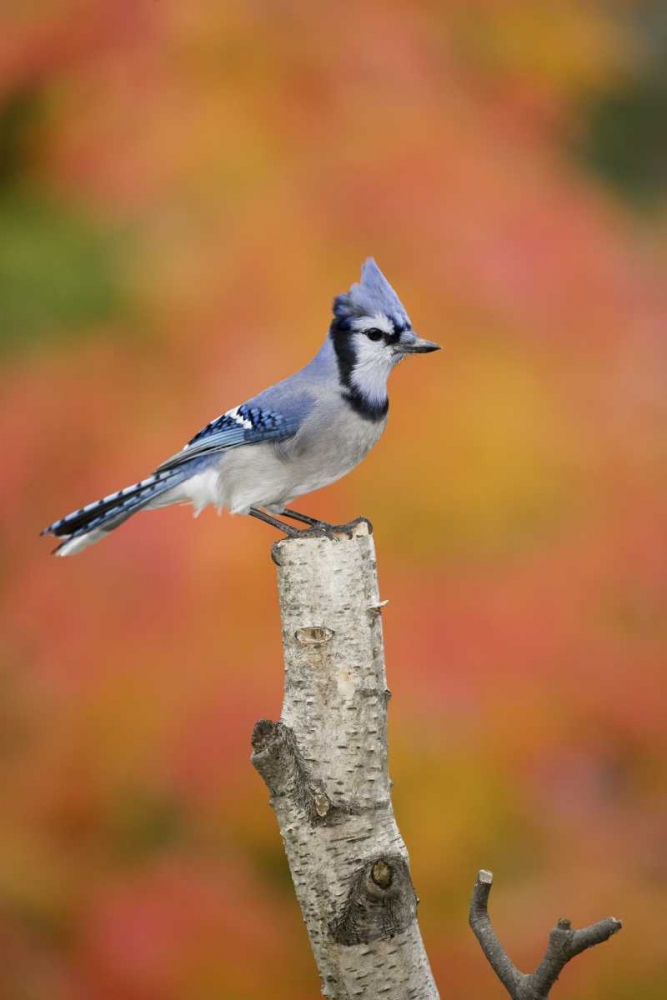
[(58, 270), (624, 137), (624, 144), (20, 114), (144, 825)]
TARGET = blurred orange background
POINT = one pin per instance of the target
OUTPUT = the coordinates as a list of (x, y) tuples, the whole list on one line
[(184, 187)]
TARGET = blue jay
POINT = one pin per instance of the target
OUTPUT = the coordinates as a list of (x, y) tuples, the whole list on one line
[(300, 435)]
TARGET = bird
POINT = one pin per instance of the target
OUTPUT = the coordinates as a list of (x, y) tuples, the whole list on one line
[(297, 436)]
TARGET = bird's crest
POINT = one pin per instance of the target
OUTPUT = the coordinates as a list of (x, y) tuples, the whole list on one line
[(372, 295)]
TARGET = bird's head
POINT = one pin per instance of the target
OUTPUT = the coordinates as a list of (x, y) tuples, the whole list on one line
[(371, 333)]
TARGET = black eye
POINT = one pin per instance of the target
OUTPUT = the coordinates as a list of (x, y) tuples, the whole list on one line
[(374, 334)]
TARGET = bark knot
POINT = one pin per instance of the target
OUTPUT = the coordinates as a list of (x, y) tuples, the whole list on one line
[(381, 902), (314, 635), (262, 735), (382, 874)]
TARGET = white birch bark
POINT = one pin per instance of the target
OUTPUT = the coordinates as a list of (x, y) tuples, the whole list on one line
[(325, 764)]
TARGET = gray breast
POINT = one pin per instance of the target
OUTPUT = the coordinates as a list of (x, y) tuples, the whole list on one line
[(330, 443)]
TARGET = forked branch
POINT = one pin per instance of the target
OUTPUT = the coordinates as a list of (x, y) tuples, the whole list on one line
[(564, 944)]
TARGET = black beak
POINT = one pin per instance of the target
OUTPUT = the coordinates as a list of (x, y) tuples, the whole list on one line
[(417, 345)]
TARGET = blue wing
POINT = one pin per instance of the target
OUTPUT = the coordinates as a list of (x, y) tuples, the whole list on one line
[(245, 424)]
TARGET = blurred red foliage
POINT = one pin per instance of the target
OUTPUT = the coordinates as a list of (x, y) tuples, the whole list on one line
[(243, 162)]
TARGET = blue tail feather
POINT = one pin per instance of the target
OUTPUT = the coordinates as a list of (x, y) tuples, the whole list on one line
[(115, 507)]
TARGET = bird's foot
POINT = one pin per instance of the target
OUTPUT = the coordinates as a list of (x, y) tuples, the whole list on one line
[(315, 529), (322, 529)]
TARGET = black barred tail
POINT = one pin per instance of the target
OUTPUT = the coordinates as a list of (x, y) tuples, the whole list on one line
[(89, 524)]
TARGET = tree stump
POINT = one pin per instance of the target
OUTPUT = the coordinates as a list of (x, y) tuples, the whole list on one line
[(325, 764)]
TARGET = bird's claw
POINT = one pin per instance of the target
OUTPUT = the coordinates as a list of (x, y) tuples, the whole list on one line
[(350, 528)]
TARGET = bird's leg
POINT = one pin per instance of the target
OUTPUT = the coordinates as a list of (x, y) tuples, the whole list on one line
[(316, 529), (313, 522), (261, 515)]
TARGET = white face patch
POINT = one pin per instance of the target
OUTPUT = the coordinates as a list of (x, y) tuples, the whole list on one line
[(377, 322), (374, 359)]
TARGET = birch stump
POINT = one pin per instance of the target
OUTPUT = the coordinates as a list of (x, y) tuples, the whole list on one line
[(325, 765)]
